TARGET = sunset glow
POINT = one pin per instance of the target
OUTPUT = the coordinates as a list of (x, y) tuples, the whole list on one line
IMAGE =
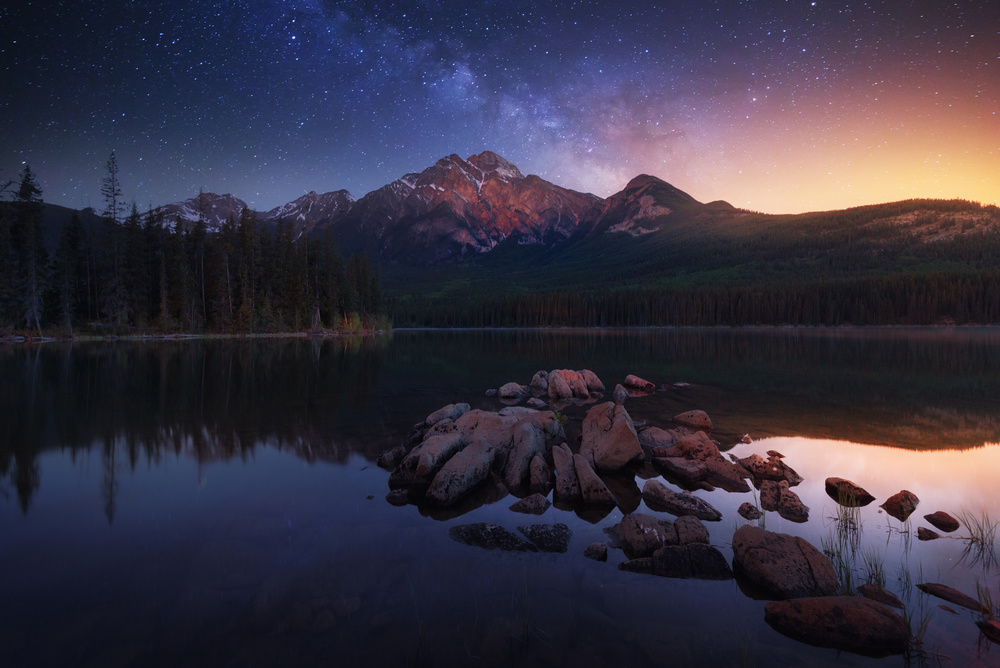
[(776, 107)]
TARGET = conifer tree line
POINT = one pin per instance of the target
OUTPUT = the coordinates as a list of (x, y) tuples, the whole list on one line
[(133, 273)]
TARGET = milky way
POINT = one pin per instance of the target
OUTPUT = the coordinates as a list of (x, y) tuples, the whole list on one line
[(775, 106)]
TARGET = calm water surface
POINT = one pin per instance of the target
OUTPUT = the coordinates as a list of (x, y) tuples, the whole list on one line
[(217, 503)]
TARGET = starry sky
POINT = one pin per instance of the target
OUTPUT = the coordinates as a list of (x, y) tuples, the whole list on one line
[(777, 106)]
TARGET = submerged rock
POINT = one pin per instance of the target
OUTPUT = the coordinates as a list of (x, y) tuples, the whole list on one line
[(548, 537), (489, 537), (782, 566), (926, 534), (697, 560), (658, 497), (640, 535), (880, 594), (597, 551), (901, 505), (990, 628), (513, 391), (845, 623), (637, 383), (847, 493)]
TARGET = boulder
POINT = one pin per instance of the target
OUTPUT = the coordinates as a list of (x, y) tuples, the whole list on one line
[(847, 493), (534, 402), (489, 537), (782, 566), (432, 454), (593, 383), (540, 382), (748, 511), (770, 495), (654, 437), (901, 504), (690, 530), (790, 506), (609, 438), (540, 475), (391, 458), (529, 438), (636, 383), (597, 551), (398, 497), (658, 497), (990, 628), (451, 412), (720, 471), (926, 534), (640, 535), (513, 391), (880, 594), (642, 565), (772, 468), (620, 394), (461, 474), (567, 384), (592, 488), (844, 623), (697, 560), (697, 420), (548, 537), (953, 596), (536, 504), (567, 484), (491, 392), (943, 521)]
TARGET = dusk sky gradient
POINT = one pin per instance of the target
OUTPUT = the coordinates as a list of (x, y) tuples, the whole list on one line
[(784, 106)]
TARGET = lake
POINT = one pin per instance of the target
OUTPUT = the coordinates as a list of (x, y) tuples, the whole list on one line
[(217, 502)]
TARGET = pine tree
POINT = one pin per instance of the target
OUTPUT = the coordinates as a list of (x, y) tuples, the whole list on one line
[(30, 250), (67, 273)]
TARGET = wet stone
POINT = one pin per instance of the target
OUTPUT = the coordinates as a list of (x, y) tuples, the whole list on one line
[(548, 537)]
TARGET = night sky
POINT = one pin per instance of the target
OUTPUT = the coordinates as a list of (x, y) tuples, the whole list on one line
[(781, 106)]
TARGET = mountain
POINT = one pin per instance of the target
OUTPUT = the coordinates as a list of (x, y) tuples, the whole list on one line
[(460, 207), (213, 209), (310, 210)]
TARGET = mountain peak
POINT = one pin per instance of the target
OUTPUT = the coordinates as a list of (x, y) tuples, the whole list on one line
[(491, 163)]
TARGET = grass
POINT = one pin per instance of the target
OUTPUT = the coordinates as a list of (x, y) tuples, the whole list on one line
[(980, 544), (874, 567)]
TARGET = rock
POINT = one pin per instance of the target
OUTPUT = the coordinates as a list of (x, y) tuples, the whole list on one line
[(593, 383), (654, 437), (772, 468), (461, 474), (770, 495), (534, 402), (540, 382), (640, 535), (398, 497), (529, 438), (513, 391), (567, 384), (620, 394), (432, 454), (540, 475), (391, 458), (489, 537), (697, 420), (592, 488), (790, 506), (548, 537), (609, 438), (517, 411), (536, 504), (926, 534), (492, 392), (774, 453), (690, 530), (901, 504), (847, 493), (953, 596), (636, 383), (597, 551), (746, 439), (880, 594), (697, 560), (688, 471), (659, 498), (845, 623), (782, 566), (943, 521), (451, 412), (748, 511), (720, 471), (567, 484), (990, 628), (445, 426)]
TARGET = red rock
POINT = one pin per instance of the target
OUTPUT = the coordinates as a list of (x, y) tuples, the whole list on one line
[(943, 521), (901, 505), (847, 493), (845, 623), (609, 438)]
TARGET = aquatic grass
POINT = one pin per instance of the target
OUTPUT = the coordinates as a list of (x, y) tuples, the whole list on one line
[(836, 551), (980, 544), (986, 599), (874, 567)]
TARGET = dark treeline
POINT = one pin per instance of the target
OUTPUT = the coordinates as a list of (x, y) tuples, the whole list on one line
[(925, 299), (133, 273)]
